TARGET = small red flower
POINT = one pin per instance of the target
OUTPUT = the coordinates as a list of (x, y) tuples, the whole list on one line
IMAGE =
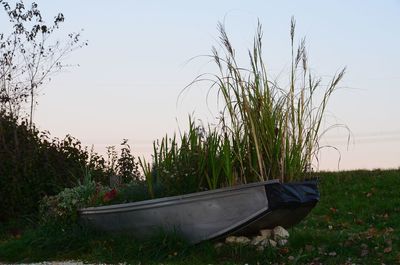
[(109, 195)]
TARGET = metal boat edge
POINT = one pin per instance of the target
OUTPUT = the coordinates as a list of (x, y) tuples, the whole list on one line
[(170, 200)]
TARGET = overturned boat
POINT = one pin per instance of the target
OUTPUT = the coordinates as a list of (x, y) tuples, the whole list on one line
[(238, 210)]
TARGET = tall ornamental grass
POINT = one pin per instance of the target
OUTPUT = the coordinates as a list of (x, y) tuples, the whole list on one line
[(266, 131), (274, 130)]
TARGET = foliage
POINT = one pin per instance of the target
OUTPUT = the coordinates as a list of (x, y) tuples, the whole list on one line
[(176, 168), (273, 131), (356, 221), (33, 166), (200, 159), (29, 55), (127, 167), (131, 192), (265, 131), (123, 169), (63, 207)]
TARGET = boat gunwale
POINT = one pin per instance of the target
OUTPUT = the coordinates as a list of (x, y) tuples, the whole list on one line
[(133, 206)]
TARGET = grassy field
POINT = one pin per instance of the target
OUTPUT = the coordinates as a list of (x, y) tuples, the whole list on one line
[(357, 221)]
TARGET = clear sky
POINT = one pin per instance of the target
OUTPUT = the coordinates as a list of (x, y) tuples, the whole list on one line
[(131, 73)]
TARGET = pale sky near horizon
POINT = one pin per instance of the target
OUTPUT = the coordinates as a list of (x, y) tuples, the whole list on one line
[(135, 65)]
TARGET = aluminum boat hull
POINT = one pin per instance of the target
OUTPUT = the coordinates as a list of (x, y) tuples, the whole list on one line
[(243, 209)]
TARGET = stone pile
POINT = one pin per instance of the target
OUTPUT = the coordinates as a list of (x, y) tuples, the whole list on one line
[(267, 238)]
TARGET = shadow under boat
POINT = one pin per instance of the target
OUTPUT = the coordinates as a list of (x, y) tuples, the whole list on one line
[(239, 210)]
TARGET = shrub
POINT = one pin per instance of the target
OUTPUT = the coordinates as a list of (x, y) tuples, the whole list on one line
[(33, 166), (127, 168), (63, 206)]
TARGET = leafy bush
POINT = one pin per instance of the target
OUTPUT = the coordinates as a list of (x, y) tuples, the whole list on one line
[(33, 166), (63, 206), (127, 167)]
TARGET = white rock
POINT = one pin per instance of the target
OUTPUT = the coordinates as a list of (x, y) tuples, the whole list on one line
[(242, 240), (280, 233), (272, 243), (237, 240), (266, 232), (282, 242), (268, 243), (260, 248), (230, 239), (257, 240)]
